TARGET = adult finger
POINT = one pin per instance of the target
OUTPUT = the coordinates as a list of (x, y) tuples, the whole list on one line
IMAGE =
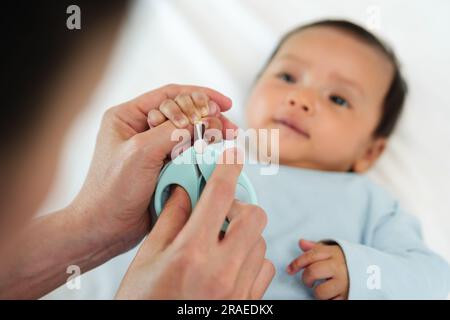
[(263, 280), (213, 132), (156, 144), (249, 270), (217, 197), (229, 128), (170, 222), (245, 228)]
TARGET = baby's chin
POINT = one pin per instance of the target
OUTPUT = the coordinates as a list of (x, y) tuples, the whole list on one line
[(288, 156), (295, 154), (290, 151), (303, 161)]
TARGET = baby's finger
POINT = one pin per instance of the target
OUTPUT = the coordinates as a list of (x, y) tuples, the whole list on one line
[(172, 111), (135, 111), (317, 271), (187, 106), (328, 290), (313, 255), (213, 108), (201, 103), (306, 245), (155, 118)]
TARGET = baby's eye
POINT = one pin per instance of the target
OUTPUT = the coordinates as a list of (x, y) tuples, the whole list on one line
[(339, 101), (286, 77)]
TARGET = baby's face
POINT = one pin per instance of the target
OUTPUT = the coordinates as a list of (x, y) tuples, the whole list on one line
[(324, 91)]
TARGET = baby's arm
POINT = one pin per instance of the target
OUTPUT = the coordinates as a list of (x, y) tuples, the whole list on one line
[(395, 263)]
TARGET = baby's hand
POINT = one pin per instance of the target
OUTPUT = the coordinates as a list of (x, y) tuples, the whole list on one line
[(322, 262), (186, 109)]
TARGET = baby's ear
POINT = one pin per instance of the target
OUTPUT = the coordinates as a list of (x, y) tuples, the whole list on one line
[(372, 153)]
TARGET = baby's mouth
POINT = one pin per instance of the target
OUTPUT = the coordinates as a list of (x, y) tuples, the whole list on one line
[(291, 125)]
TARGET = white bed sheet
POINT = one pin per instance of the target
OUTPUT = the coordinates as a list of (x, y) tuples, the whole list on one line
[(222, 44)]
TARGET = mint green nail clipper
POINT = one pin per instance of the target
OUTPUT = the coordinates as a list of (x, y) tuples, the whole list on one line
[(192, 169)]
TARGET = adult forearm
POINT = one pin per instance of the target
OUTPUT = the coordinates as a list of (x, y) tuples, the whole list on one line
[(40, 256)]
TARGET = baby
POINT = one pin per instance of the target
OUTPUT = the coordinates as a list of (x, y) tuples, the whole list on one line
[(335, 92)]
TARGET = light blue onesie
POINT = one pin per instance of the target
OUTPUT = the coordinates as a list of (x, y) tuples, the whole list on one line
[(377, 237)]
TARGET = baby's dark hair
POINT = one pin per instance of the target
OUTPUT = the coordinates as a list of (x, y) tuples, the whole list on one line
[(396, 94)]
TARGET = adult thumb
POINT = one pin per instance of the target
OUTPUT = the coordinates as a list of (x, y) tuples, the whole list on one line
[(159, 142), (171, 221)]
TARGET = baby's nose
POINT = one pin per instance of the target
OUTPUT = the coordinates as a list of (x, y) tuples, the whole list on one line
[(304, 106)]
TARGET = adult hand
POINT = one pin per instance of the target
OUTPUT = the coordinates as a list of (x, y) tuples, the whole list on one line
[(127, 160), (186, 259)]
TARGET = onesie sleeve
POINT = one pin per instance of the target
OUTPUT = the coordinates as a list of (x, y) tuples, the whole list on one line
[(395, 263)]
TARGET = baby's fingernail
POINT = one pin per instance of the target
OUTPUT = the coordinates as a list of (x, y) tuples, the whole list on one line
[(182, 122), (195, 118), (196, 95), (213, 107)]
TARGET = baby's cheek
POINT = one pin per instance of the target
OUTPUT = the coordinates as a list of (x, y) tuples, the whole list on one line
[(338, 142), (257, 114), (261, 106)]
